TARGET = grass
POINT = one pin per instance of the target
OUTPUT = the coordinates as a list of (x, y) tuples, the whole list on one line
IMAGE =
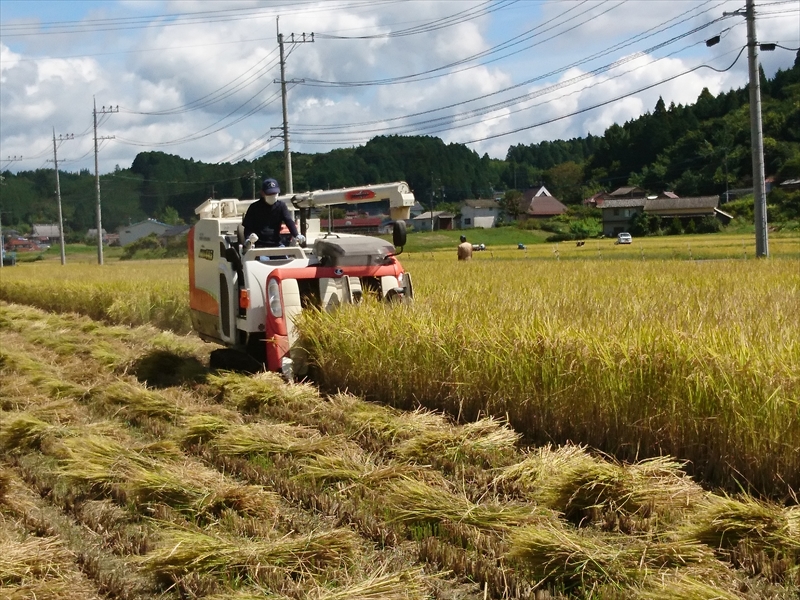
[(398, 514)]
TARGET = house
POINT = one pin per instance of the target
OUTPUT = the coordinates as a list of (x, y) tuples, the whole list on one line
[(479, 213), (626, 192), (435, 221), (595, 201), (617, 213), (46, 233), (687, 209), (130, 233), (173, 232), (540, 204)]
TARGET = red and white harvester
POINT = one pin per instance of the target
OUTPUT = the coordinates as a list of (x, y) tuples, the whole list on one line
[(246, 298)]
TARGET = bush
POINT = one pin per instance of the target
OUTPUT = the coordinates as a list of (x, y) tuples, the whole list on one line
[(709, 225), (560, 237), (585, 228), (675, 227)]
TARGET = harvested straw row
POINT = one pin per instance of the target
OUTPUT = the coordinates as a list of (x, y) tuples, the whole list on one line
[(138, 403), (31, 559), (268, 438), (384, 424), (136, 476), (184, 551), (261, 391), (570, 480), (554, 554), (725, 522), (488, 441), (350, 467), (413, 501), (22, 432), (408, 584), (680, 587)]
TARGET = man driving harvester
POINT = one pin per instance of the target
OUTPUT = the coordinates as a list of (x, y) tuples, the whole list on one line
[(265, 218)]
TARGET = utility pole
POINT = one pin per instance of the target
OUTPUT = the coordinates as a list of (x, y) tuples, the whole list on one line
[(61, 138), (102, 111), (756, 134), (253, 181), (287, 154)]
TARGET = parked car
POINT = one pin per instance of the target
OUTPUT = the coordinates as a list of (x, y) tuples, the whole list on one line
[(624, 238)]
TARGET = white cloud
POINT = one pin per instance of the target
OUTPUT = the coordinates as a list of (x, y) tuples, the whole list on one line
[(161, 67)]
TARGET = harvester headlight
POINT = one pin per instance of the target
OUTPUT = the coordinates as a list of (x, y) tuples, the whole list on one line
[(274, 297)]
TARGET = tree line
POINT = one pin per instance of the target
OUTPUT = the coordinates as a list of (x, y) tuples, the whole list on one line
[(697, 149)]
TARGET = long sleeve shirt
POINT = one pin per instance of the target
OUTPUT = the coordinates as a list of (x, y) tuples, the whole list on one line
[(265, 221)]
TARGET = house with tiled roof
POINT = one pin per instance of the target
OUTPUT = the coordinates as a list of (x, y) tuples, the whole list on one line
[(440, 219), (618, 212), (540, 204), (130, 233)]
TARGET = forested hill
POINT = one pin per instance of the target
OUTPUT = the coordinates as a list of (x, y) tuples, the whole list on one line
[(693, 149), (690, 149)]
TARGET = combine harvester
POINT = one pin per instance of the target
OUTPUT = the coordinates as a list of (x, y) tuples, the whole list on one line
[(246, 298)]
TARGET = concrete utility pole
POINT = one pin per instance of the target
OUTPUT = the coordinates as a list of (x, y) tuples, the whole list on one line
[(756, 134), (287, 154), (58, 193), (102, 111)]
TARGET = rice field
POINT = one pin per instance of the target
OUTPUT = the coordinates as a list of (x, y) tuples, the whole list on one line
[(560, 421), (131, 478)]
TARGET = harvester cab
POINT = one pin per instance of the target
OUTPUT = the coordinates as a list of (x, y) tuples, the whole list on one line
[(246, 297)]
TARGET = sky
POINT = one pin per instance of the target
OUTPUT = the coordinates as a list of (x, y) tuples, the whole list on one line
[(201, 78)]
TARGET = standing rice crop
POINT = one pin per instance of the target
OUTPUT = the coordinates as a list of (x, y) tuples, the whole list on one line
[(698, 361)]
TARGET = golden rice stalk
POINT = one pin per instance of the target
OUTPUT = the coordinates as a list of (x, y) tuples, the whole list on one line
[(251, 393), (34, 558), (268, 438), (202, 428), (724, 522), (408, 584), (570, 480), (487, 437), (355, 467), (184, 551), (681, 587), (49, 589), (139, 403), (383, 422), (554, 554), (248, 594), (660, 483), (23, 432), (412, 501)]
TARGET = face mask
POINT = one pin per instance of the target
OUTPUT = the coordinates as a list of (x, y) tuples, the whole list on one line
[(271, 199)]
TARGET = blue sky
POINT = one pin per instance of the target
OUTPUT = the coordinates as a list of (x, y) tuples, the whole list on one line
[(196, 78)]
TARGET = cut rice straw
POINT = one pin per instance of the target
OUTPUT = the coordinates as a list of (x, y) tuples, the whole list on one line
[(191, 551)]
